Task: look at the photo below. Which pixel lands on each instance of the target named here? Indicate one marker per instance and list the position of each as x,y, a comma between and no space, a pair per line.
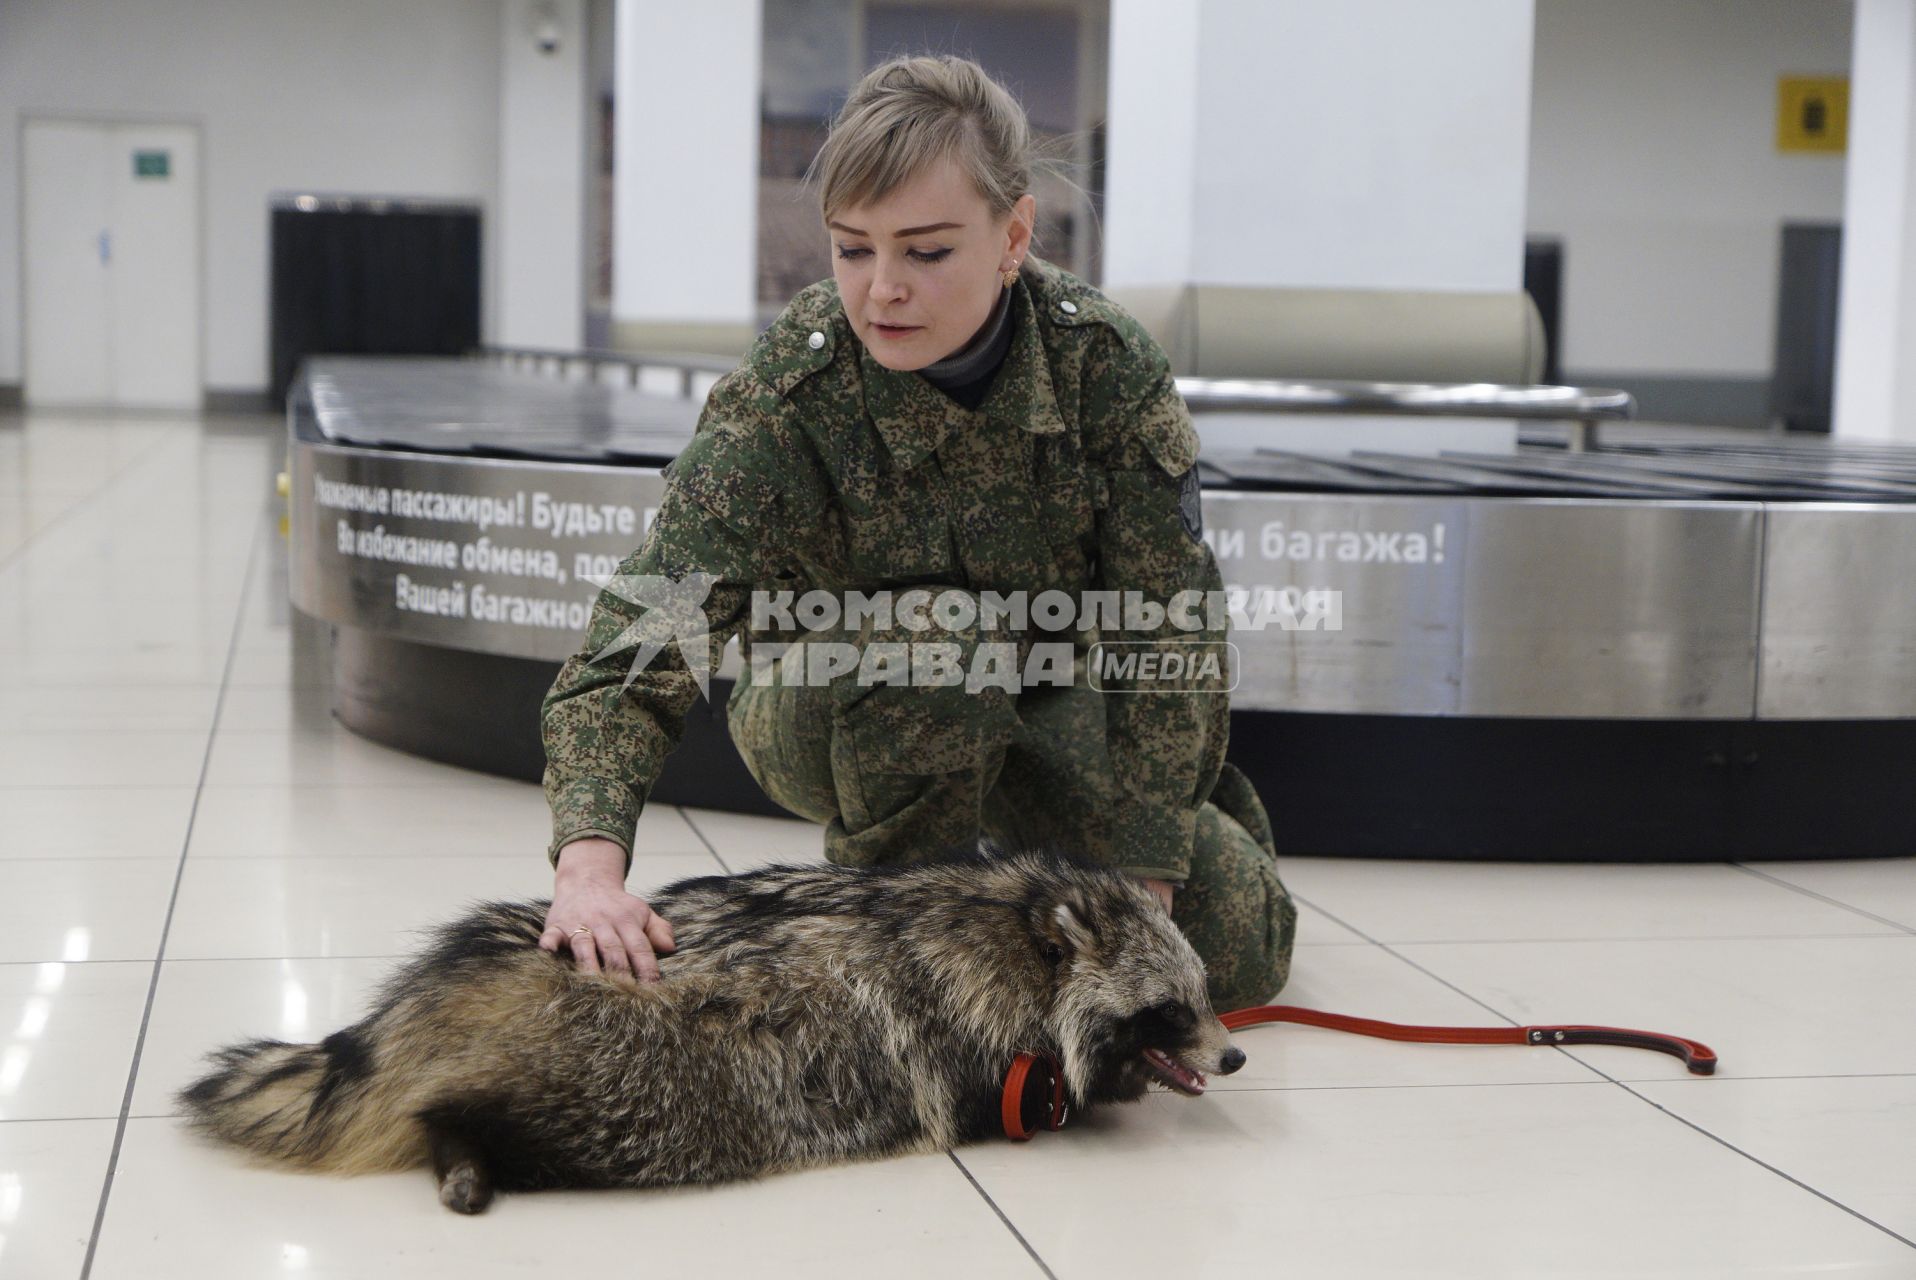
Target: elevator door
112,315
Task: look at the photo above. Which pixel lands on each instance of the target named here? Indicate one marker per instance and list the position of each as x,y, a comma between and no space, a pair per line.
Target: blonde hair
909,113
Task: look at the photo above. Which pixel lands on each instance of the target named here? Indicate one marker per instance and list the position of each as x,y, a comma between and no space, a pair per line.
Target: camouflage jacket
815,466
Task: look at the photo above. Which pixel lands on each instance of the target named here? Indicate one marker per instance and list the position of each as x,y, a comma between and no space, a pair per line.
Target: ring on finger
581,929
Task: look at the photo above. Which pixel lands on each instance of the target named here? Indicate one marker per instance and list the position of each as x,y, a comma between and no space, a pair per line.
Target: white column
1876,327
1371,144
542,158
1150,170
685,185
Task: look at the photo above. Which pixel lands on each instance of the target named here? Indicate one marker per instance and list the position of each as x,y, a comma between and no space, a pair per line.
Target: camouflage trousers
897,772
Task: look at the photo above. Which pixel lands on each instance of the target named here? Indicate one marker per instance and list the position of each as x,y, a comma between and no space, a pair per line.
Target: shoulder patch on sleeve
1191,505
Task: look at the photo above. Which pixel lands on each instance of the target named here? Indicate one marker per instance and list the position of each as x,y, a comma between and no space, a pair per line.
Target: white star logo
674,611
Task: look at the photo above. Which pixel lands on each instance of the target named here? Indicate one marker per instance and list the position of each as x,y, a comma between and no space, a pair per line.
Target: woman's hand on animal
626,936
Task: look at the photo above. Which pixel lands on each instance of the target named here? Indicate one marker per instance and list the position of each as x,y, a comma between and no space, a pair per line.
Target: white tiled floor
192,851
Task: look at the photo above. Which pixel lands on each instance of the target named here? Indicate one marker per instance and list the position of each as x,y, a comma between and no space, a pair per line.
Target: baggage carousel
1552,634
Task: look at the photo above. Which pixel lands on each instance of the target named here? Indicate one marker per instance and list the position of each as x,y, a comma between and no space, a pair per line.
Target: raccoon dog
811,1014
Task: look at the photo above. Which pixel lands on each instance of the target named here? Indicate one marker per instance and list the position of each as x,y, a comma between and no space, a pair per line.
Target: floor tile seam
159,637
149,681
146,960
710,848
1894,931
1824,1196
131,1116
1698,937
322,857
1003,1217
97,786
1683,1079
132,731
291,687
21,964
224,786
1225,1091
7,1120
26,544
1699,1081
67,686
1821,897
476,783
8,858
637,862
186,843
1650,1101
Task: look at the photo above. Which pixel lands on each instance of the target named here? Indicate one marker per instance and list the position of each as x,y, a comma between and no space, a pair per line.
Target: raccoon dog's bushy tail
303,1103
357,1101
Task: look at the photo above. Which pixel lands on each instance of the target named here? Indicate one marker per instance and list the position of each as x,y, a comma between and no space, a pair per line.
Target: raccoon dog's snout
1173,1070
1180,1041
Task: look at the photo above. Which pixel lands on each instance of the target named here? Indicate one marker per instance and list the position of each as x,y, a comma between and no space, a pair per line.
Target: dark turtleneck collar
966,375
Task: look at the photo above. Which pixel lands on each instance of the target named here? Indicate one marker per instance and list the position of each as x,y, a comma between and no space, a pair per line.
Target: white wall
1151,181
1653,156
1375,144
351,96
542,177
1876,332
685,175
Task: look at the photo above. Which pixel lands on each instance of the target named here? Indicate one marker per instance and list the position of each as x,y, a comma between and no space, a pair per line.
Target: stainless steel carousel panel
1839,613
1642,609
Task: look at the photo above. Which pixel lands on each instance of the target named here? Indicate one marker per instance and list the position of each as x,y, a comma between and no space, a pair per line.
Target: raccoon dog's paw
465,1183
465,1188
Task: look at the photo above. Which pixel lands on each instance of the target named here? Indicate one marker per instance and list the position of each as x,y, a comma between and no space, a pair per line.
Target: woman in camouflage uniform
952,414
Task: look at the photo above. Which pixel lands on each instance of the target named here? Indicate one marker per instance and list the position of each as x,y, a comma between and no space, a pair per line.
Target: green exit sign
152,164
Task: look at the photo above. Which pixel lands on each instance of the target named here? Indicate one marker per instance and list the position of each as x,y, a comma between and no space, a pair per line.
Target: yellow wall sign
1812,113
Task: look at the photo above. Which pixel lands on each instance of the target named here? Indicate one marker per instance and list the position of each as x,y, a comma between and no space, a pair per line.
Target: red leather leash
1697,1056
1034,1098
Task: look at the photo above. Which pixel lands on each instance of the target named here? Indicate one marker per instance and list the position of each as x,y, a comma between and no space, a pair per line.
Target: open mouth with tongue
1174,1073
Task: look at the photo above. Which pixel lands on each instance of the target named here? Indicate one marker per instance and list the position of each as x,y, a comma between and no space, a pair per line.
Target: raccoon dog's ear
1063,928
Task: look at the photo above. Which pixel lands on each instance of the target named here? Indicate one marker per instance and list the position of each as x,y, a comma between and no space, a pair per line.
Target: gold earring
1010,277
